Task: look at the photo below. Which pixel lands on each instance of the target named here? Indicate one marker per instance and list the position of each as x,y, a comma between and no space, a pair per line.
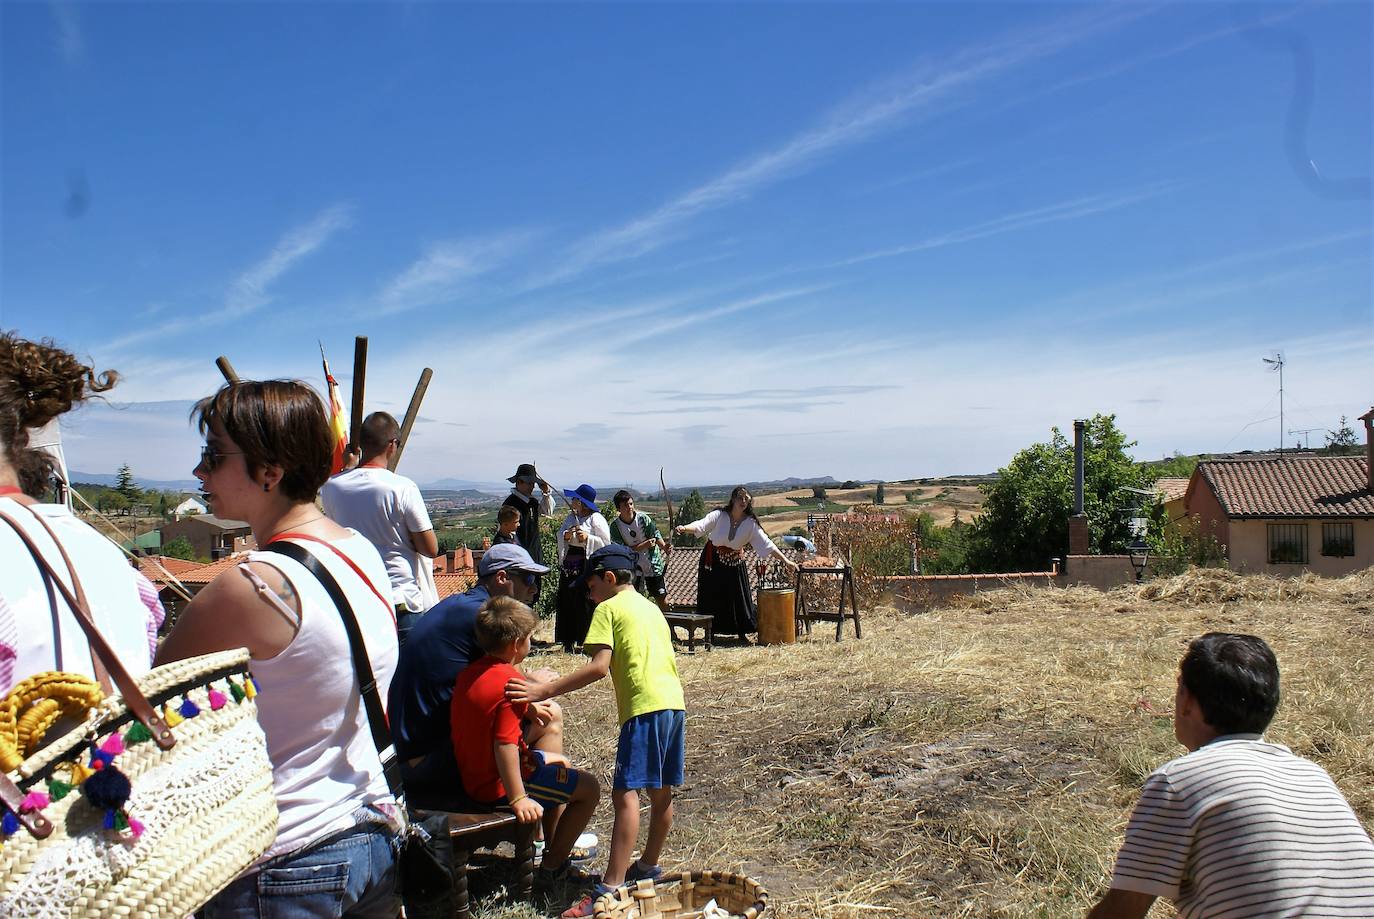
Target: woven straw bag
684,896
157,799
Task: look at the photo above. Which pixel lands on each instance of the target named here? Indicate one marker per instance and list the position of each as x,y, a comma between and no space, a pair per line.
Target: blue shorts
550,783
652,750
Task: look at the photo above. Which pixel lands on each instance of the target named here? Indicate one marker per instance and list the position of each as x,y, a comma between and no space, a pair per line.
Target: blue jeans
353,876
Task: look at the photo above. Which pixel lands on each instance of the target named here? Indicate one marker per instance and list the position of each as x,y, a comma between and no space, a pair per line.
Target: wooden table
690,621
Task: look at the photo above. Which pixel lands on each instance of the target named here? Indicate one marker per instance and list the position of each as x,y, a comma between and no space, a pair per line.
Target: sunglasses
210,457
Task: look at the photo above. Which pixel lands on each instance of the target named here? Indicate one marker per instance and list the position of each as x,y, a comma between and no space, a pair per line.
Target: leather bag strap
133,697
102,675
362,666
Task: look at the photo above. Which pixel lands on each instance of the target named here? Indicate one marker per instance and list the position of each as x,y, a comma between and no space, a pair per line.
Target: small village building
1284,515
210,536
188,507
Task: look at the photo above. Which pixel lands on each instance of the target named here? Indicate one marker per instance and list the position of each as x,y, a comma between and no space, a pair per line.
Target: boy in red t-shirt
496,765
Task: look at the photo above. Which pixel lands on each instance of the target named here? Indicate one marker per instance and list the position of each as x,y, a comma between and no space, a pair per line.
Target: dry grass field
941,501
978,760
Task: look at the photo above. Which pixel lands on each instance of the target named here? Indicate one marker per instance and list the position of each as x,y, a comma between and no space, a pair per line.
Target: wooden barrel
777,617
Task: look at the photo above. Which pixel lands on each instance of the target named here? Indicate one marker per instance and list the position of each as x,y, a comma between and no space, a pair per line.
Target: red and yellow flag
337,421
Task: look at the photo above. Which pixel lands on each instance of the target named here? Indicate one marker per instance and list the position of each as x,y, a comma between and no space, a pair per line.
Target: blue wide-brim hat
584,493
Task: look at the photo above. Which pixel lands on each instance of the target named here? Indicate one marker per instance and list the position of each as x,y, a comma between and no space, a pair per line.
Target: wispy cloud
788,394
1074,209
249,291
929,86
71,40
445,266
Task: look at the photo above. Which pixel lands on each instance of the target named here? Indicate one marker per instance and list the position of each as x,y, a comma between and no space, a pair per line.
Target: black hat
524,473
614,557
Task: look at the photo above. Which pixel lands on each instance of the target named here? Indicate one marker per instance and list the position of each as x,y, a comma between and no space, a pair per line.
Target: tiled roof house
1288,514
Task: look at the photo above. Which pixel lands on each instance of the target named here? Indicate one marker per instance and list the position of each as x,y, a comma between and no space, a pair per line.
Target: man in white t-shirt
1237,826
388,510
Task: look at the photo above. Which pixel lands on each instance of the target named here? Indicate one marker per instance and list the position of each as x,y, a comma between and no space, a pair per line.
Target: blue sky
739,241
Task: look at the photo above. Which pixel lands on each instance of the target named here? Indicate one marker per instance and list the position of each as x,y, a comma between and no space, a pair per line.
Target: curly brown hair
38,382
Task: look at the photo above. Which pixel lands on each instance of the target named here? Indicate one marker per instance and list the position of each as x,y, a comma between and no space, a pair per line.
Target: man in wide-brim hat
522,498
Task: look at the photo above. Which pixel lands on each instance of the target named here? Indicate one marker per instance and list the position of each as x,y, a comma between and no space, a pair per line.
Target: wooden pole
355,408
226,368
412,412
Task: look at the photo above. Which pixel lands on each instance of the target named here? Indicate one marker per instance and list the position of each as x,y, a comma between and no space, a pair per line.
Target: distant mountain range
102,478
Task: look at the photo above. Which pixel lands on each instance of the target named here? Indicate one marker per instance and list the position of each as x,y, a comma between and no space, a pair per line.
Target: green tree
1025,520
180,548
818,493
880,494
1175,467
693,508
125,484
115,502
1342,440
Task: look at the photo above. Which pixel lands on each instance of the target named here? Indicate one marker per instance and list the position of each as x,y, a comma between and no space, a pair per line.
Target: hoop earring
266,486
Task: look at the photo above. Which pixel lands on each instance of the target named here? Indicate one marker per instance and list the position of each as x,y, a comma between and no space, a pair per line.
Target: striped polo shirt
1243,828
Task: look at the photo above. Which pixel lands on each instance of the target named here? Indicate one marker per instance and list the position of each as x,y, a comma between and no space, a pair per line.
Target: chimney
448,561
1368,419
1078,524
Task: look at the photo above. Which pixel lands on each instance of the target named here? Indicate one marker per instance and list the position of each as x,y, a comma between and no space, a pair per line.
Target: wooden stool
470,831
690,622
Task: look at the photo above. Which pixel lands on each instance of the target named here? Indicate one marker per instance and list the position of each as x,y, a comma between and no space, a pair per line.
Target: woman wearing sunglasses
267,452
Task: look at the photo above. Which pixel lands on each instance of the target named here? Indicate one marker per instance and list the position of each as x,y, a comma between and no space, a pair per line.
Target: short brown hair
502,621
507,512
38,382
277,423
379,429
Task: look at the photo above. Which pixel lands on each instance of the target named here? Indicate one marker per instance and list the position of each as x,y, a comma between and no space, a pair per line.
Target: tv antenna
1304,434
1276,363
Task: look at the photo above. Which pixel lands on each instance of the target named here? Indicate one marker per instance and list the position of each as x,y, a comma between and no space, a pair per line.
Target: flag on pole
337,423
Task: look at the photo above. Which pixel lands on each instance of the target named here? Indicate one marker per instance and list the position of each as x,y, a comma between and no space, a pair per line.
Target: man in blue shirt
441,644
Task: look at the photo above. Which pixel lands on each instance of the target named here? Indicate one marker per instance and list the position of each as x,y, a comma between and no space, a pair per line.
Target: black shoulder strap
362,667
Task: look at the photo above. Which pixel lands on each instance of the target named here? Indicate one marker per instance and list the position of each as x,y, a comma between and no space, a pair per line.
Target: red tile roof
204,574
1171,489
448,584
148,566
1290,486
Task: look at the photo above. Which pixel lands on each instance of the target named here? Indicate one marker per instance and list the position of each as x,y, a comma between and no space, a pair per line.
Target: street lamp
1139,552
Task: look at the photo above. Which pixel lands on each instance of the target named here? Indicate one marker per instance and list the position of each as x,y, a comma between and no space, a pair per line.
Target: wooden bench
470,831
689,621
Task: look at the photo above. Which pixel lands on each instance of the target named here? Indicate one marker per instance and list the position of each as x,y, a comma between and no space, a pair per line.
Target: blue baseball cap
508,555
614,557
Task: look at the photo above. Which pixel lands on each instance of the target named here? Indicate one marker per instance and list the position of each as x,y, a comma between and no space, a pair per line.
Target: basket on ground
684,896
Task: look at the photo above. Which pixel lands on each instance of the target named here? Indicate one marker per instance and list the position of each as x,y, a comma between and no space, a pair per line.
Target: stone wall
917,593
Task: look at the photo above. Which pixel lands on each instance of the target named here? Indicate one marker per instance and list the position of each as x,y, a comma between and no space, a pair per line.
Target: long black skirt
723,592
572,607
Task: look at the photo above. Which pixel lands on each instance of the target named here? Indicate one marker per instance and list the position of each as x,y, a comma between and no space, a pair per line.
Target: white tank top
325,766
47,642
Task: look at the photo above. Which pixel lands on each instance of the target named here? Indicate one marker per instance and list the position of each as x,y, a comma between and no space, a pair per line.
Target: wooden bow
666,500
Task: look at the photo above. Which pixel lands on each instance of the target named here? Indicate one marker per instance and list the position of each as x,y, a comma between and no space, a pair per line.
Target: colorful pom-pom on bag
158,797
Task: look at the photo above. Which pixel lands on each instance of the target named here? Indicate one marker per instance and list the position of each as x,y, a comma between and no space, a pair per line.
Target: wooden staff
355,408
412,412
226,368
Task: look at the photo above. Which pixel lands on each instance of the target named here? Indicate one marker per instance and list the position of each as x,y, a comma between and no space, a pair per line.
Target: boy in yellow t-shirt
630,640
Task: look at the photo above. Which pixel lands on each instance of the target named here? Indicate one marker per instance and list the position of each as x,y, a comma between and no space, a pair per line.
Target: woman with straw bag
39,382
267,452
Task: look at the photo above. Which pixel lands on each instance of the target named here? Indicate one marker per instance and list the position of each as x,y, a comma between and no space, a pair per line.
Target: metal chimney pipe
1078,468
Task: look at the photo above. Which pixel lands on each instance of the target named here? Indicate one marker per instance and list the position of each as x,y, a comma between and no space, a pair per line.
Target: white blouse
715,526
598,533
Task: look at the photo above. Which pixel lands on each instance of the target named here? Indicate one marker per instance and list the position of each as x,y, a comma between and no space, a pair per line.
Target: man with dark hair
638,531
522,498
1238,826
418,706
386,508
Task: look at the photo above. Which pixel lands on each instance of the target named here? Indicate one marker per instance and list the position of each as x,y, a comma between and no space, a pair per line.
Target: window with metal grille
1338,539
1288,544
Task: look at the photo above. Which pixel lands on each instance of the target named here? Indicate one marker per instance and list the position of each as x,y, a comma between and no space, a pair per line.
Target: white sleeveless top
325,766
46,642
